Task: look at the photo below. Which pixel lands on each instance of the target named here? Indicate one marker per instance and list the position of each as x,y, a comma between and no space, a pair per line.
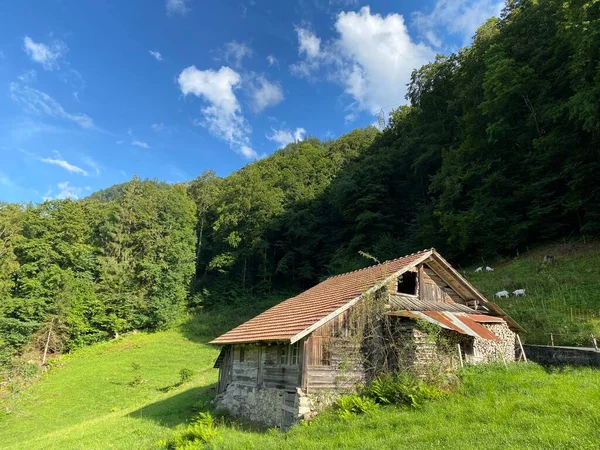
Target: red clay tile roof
293,316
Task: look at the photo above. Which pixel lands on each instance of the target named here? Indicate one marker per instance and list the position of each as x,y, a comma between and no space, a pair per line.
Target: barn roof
296,317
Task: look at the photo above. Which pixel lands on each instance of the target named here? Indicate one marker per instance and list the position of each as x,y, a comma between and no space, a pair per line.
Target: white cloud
247,152
38,102
65,165
309,48
309,43
177,7
234,53
141,144
156,55
158,126
283,137
264,94
223,114
28,76
272,60
372,58
458,17
48,55
65,190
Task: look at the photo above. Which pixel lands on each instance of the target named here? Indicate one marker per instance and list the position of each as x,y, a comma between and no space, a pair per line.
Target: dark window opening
468,348
325,354
242,354
407,283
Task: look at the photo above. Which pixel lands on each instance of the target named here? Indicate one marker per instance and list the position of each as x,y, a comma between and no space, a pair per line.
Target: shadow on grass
178,408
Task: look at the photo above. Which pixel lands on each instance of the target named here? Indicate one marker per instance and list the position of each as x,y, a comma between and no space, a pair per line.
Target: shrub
355,404
402,389
200,431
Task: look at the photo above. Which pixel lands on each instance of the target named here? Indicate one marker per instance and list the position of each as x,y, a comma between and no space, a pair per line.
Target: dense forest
498,148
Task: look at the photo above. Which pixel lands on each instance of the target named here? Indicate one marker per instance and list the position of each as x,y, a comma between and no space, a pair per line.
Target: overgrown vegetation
200,432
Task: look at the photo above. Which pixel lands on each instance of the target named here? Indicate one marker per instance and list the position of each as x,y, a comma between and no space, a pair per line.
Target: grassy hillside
126,394
563,299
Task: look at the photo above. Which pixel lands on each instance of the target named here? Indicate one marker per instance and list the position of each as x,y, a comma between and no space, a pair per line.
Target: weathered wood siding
261,366
226,365
433,288
333,358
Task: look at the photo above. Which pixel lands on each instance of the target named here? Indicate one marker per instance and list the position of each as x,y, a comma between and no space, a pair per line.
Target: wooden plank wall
262,367
433,288
225,369
330,343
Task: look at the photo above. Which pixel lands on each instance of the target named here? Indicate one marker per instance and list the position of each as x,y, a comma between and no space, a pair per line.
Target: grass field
125,394
562,299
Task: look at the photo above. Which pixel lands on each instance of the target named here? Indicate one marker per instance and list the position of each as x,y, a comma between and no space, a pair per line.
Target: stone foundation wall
255,404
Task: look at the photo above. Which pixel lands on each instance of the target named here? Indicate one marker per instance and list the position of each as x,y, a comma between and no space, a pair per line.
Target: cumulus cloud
234,53
65,191
177,7
48,55
222,115
458,17
40,103
264,94
141,144
65,165
283,137
372,58
156,55
309,43
158,126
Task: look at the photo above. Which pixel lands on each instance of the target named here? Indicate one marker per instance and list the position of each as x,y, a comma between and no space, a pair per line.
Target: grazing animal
501,294
519,292
488,269
479,269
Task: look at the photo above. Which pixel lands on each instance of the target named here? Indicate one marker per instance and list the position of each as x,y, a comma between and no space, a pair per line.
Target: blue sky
94,92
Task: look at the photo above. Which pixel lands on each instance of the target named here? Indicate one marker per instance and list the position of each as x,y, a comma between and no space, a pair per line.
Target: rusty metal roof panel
459,322
293,316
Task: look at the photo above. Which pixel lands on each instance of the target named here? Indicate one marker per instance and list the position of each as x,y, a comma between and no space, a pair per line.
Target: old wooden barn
412,313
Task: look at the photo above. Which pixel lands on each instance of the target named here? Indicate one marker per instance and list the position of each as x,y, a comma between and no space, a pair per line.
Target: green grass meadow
562,299
127,394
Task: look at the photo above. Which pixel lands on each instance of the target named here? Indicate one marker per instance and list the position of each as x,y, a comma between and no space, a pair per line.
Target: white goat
488,269
501,294
479,269
519,292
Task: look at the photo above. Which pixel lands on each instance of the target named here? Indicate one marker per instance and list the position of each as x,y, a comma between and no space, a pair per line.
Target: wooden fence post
522,349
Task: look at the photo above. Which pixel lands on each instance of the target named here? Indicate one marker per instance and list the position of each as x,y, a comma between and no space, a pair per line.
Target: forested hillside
499,149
